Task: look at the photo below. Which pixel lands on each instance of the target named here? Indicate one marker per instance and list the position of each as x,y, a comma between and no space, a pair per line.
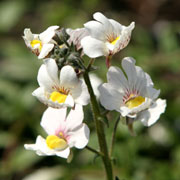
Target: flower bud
62,35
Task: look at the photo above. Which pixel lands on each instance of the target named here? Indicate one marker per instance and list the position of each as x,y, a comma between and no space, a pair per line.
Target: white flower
106,38
76,35
63,132
40,44
132,96
62,89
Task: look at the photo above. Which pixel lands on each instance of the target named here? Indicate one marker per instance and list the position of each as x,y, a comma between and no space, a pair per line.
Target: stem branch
94,151
113,136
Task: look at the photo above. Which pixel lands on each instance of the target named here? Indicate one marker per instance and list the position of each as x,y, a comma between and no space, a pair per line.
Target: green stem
113,136
90,64
93,150
99,129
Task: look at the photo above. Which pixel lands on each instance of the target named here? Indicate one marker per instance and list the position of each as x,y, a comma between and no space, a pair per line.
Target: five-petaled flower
62,89
40,44
133,96
63,132
106,36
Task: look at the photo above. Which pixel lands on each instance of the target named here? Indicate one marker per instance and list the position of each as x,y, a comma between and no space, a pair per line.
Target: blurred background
154,154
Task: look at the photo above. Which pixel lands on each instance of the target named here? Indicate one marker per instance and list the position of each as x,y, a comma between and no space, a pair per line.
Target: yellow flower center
61,46
36,42
55,142
115,40
134,101
57,96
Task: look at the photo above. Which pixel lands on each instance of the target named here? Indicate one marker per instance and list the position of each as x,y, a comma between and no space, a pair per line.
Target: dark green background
154,154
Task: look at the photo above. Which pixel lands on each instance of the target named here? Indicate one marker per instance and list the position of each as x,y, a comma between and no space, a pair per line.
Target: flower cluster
129,91
59,88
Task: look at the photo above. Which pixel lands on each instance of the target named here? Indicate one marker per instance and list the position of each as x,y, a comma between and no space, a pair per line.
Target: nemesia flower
63,132
106,38
40,44
133,96
60,89
76,35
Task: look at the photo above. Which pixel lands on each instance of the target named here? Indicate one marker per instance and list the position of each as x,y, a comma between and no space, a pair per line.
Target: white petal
53,119
40,147
125,111
117,27
105,21
45,50
152,92
80,137
80,93
28,37
124,38
117,79
64,153
96,30
68,77
28,34
128,65
48,34
95,82
101,18
44,79
30,147
151,115
126,33
149,80
144,84
39,92
74,118
52,69
141,82
109,97
129,28
69,101
93,47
